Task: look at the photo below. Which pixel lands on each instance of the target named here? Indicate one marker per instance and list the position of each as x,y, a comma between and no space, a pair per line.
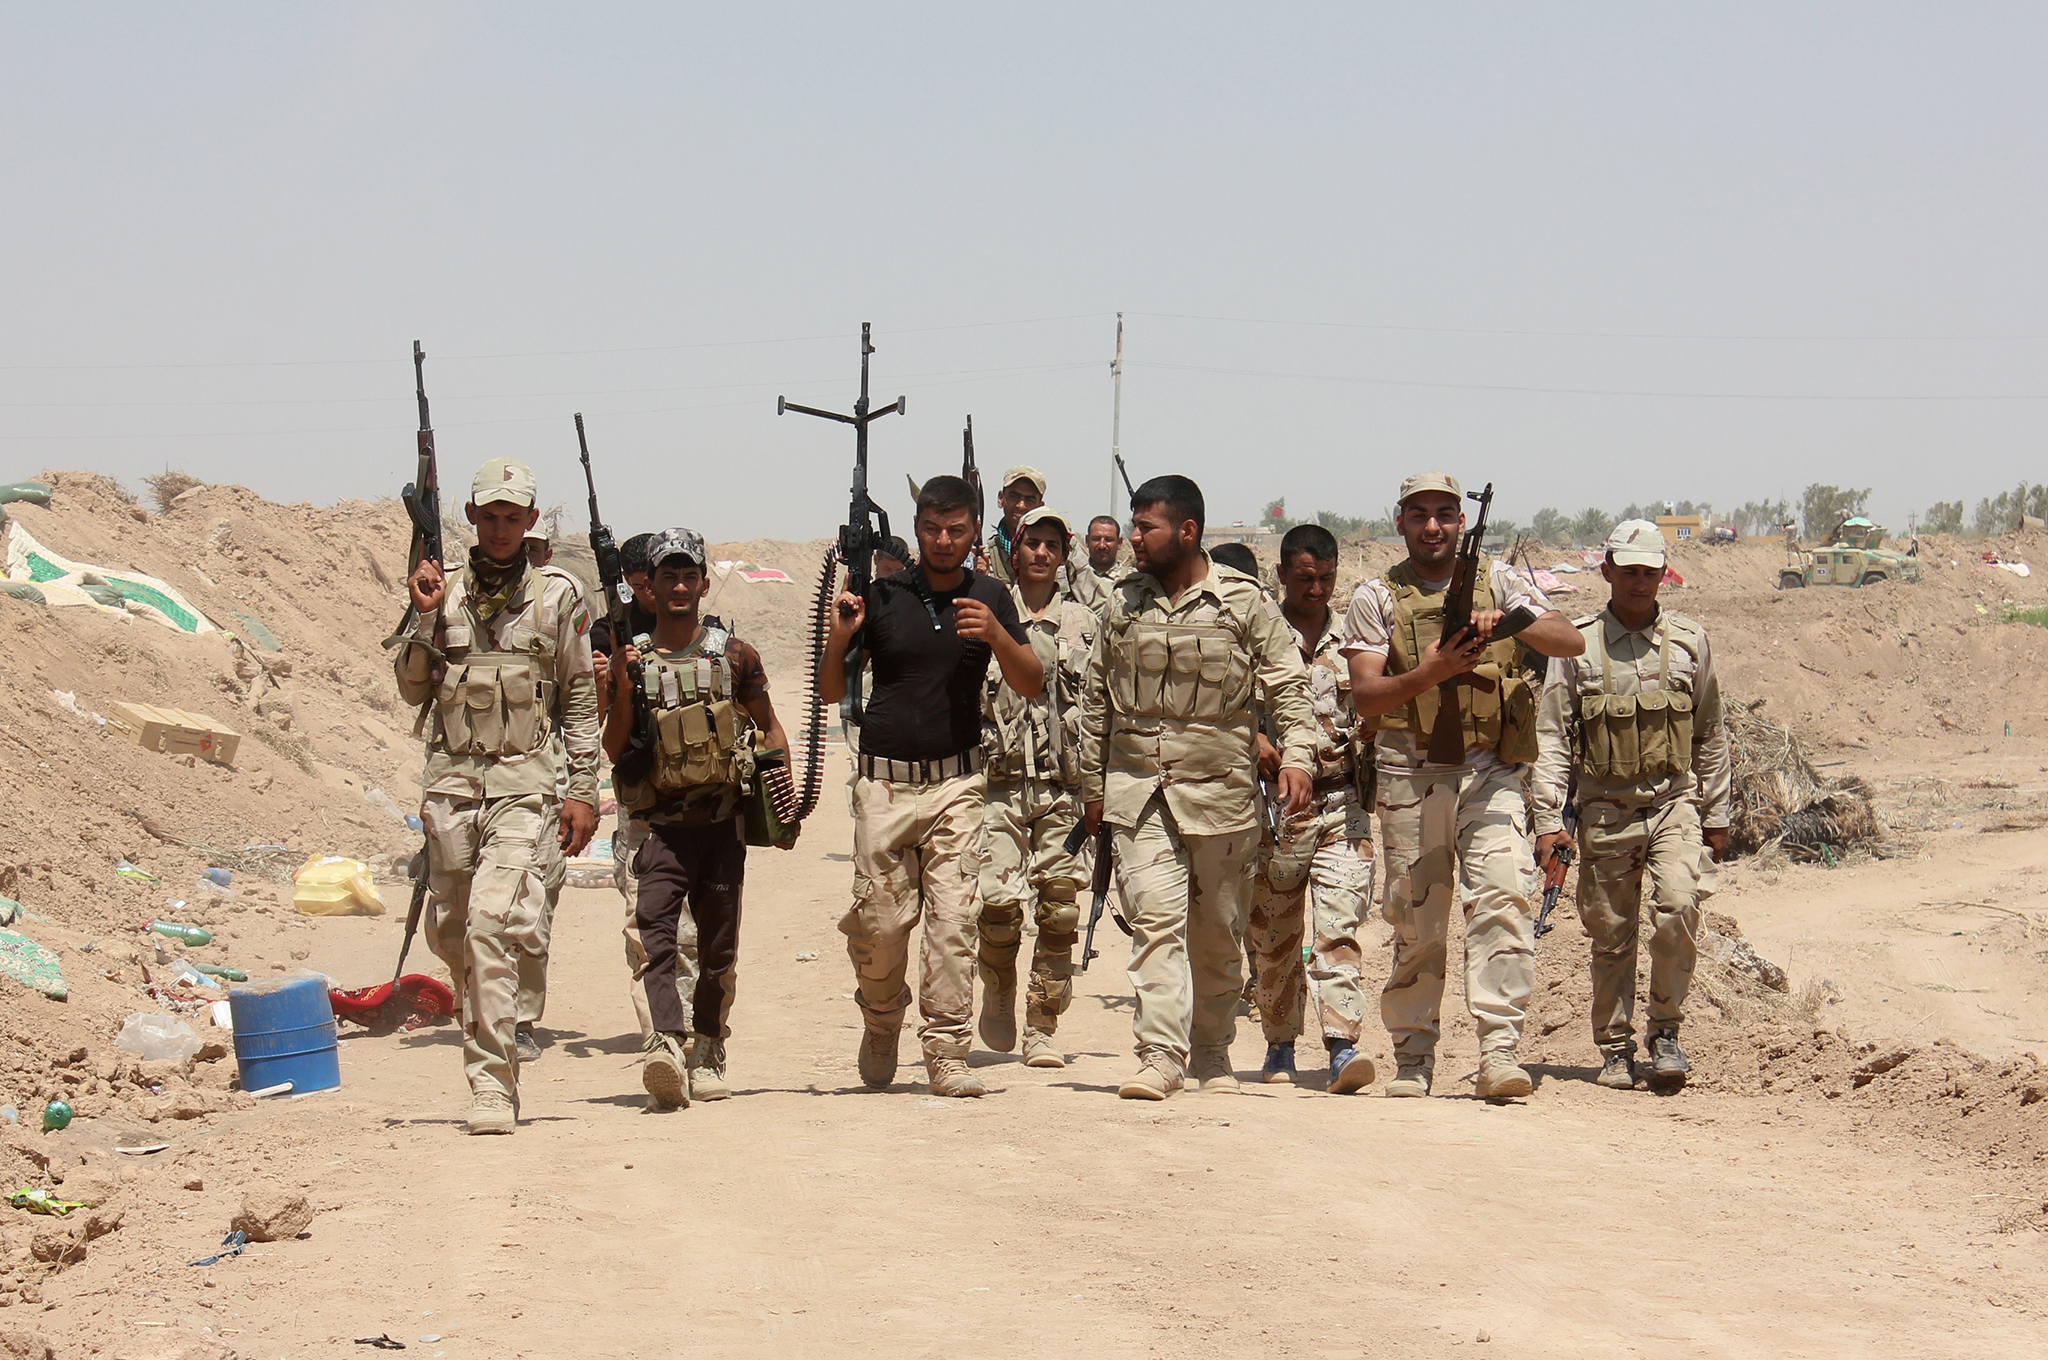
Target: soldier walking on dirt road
1452,829
1168,760
1034,779
1638,716
1324,858
703,694
498,661
929,631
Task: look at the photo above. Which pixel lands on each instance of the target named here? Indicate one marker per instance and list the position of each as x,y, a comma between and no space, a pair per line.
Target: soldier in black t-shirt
929,631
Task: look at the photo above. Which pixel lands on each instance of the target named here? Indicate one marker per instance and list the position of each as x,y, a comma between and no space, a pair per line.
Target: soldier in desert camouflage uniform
1323,857
498,661
1033,802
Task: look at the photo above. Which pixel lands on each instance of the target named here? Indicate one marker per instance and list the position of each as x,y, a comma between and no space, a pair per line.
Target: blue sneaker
1279,1068
1350,1070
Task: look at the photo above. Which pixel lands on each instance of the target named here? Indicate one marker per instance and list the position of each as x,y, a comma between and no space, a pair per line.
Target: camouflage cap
1430,481
502,479
686,543
1635,543
1024,472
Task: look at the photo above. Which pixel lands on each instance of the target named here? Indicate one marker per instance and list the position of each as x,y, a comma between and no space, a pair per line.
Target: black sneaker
527,1046
1617,1070
1668,1066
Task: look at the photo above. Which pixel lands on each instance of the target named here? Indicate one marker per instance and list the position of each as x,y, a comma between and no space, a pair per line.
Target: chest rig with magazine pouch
1498,713
496,703
1646,734
1186,672
698,729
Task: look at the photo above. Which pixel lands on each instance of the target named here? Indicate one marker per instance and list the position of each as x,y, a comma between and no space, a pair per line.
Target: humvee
1853,558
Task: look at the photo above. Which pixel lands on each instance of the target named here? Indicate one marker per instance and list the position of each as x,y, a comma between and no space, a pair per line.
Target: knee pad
1058,912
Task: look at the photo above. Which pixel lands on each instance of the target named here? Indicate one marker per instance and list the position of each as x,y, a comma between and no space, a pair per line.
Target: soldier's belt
921,771
1331,783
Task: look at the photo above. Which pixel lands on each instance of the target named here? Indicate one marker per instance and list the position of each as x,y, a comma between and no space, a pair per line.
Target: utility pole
1116,416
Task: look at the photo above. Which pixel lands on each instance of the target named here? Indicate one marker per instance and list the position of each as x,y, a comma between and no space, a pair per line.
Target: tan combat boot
950,1077
1159,1078
878,1058
1211,1070
707,1068
662,1072
1039,1050
1501,1078
999,1003
492,1112
1411,1078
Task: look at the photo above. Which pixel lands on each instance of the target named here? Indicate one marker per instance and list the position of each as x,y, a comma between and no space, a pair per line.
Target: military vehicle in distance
1854,557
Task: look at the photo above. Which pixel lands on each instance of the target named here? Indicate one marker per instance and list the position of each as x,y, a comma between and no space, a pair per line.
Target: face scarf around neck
493,584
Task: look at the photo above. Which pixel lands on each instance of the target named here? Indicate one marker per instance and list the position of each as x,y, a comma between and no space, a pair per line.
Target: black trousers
688,916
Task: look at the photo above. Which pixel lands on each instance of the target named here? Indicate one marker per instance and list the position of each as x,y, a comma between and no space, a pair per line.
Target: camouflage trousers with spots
1462,833
486,897
1026,866
533,968
1321,872
1617,848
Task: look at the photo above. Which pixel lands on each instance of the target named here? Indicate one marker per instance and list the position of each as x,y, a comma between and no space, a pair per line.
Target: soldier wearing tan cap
1023,491
497,664
1638,716
1459,829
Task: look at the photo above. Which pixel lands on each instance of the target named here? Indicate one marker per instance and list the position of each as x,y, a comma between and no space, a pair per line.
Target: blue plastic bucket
284,1031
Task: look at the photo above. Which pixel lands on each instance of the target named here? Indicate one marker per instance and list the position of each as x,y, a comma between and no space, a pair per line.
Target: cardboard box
176,732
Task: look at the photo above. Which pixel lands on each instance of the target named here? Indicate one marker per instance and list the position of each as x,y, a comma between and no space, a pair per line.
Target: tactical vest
1503,718
698,729
497,703
1040,738
1182,671
1628,738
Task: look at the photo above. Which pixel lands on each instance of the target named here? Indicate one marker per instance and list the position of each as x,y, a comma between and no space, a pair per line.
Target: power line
1572,335
1601,391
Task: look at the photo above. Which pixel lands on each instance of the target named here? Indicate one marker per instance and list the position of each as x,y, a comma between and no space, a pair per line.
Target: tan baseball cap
1042,515
1430,481
1024,472
1636,543
502,479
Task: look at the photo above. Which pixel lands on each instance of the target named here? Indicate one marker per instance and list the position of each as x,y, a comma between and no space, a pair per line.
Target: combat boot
1668,1065
662,1072
999,1004
1411,1078
1501,1077
1212,1072
950,1077
707,1068
1039,1051
1617,1069
878,1057
1279,1066
1159,1078
492,1112
1350,1070
527,1046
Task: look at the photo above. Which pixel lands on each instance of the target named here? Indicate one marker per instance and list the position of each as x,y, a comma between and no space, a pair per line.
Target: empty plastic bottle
183,934
220,876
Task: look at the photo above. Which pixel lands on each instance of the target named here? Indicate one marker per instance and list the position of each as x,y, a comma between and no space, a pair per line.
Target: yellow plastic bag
334,885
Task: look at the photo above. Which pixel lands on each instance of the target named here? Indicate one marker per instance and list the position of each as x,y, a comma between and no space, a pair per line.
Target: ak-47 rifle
633,762
971,474
422,500
1124,473
1447,738
1560,860
858,539
1105,851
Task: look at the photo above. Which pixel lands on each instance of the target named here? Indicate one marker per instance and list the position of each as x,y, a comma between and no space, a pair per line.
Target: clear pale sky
226,225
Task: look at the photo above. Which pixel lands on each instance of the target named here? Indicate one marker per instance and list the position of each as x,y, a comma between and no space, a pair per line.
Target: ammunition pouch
1629,738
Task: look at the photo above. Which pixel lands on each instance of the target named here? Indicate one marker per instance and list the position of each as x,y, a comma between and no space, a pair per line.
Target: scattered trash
155,1037
223,1016
209,888
145,1150
283,1088
416,1000
258,634
284,1031
129,871
175,732
413,823
8,1113
223,972
335,885
56,1116
234,1242
222,877
430,1340
31,965
384,803
382,1343
807,956
183,934
68,701
38,1201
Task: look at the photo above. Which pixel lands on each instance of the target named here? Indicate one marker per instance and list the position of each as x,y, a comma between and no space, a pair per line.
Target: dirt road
809,1217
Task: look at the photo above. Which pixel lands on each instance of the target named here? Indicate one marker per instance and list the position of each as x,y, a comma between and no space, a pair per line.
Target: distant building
1678,528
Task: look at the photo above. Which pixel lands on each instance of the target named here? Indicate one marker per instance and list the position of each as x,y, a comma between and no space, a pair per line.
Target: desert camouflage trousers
1025,865
1188,897
1617,847
533,968
1321,872
916,856
486,896
1464,833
